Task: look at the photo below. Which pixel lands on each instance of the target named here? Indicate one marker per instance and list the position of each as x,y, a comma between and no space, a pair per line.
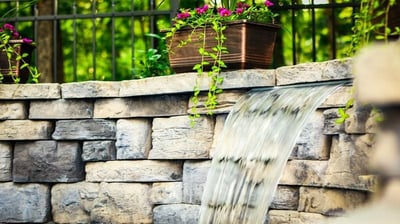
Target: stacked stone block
125,152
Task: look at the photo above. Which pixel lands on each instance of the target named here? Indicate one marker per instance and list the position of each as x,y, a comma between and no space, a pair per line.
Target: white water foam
258,137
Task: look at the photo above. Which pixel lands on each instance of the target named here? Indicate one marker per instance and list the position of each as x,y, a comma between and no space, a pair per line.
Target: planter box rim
20,41
239,21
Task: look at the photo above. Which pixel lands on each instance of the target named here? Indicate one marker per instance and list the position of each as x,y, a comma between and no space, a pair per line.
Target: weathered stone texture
339,98
73,203
85,130
248,78
176,213
134,171
24,203
356,123
331,127
122,203
157,85
372,125
13,110
226,100
294,217
90,89
350,155
47,161
30,91
98,150
304,172
194,179
101,203
166,193
174,138
25,130
312,144
181,83
332,202
286,197
314,72
5,161
147,106
133,138
61,109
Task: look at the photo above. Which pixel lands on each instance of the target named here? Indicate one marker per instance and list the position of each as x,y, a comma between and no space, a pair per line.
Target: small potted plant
226,34
15,57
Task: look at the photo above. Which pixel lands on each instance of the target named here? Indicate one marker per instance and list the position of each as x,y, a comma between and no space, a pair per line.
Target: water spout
258,137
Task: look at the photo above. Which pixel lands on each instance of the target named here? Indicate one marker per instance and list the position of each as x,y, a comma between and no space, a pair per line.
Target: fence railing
104,40
329,20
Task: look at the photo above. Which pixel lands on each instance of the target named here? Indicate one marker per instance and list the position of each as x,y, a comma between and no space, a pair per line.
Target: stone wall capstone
124,152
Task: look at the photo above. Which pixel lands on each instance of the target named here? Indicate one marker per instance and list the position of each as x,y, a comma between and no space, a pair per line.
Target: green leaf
197,66
205,63
342,112
213,56
350,103
25,65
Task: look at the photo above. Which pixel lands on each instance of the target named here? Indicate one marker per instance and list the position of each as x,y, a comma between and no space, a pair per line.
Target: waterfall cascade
258,137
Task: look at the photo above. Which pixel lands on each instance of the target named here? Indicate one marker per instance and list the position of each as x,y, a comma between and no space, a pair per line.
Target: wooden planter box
23,74
250,45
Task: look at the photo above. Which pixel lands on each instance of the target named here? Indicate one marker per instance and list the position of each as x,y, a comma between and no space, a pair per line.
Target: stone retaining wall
124,152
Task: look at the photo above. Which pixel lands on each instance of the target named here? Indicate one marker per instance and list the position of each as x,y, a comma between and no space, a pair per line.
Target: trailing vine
10,46
211,67
201,21
215,80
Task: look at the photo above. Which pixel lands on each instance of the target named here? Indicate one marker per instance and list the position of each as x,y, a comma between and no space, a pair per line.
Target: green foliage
213,74
372,24
343,115
10,43
300,39
155,62
124,50
205,18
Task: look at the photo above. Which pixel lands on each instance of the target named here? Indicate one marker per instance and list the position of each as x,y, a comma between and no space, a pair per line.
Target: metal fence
338,19
100,40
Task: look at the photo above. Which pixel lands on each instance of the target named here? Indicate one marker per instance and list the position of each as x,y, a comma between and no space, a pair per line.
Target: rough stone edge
183,83
324,67
90,89
30,91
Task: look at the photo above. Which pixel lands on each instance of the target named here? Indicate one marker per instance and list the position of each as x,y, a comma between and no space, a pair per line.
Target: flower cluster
8,32
14,59
242,10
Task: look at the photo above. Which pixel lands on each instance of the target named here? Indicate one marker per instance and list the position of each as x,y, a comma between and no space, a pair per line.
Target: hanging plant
15,55
214,17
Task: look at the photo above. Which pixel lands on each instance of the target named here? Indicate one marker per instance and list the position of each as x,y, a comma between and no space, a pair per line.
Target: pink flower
224,12
239,10
27,40
268,3
243,5
9,27
183,15
202,10
15,34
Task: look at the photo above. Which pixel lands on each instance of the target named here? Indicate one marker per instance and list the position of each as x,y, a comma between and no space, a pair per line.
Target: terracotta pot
23,74
250,45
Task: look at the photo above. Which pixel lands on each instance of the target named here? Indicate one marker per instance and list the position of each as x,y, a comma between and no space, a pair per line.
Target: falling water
258,137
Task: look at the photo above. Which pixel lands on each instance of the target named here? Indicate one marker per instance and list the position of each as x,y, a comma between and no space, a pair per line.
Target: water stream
256,142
